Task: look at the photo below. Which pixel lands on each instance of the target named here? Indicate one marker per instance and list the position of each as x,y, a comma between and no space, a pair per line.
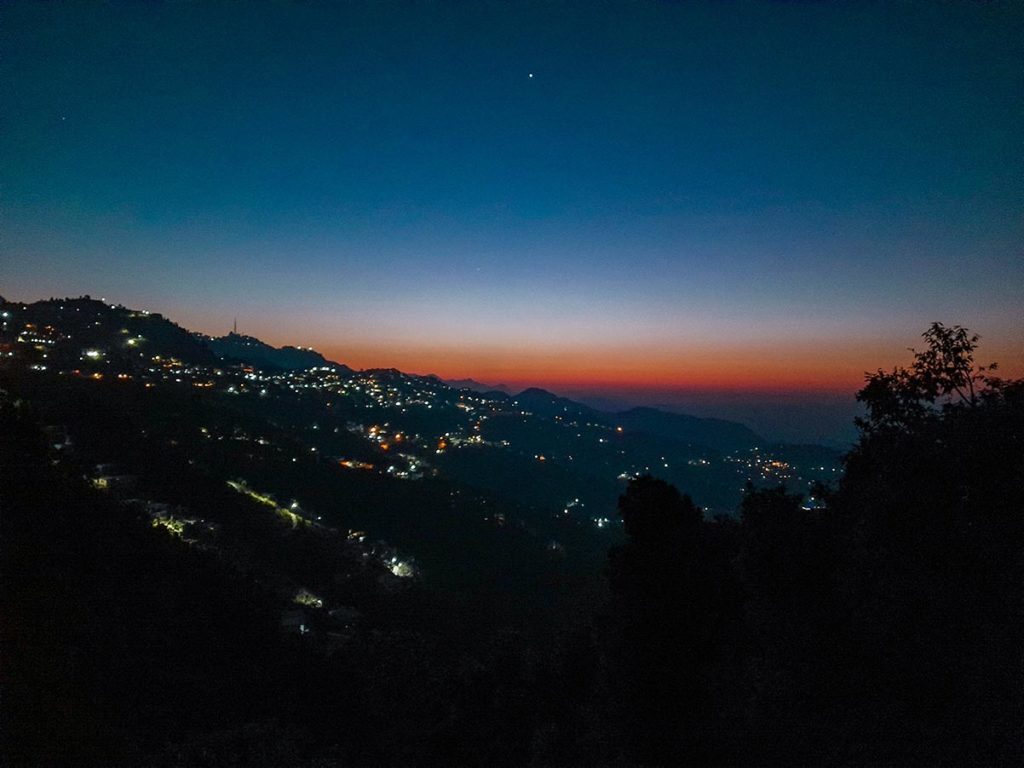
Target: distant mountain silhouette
544,403
719,434
473,384
496,394
248,349
110,328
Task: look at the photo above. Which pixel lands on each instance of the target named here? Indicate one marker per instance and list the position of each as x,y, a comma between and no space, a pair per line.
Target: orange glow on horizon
763,362
773,358
830,368
826,366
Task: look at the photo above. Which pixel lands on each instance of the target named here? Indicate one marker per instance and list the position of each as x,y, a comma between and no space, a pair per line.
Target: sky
679,203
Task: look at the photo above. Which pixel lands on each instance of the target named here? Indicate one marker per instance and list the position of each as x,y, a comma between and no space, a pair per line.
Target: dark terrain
216,552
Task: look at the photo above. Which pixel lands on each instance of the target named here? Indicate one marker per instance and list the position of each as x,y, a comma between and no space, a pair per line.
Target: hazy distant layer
795,417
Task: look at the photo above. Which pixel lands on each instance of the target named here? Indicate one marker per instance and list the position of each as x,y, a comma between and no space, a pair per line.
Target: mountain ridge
155,333
470,383
254,351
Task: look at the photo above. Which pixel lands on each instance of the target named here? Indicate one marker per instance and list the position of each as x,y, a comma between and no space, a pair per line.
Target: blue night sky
682,198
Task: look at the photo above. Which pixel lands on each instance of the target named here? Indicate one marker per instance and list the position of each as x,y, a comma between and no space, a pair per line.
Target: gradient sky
684,197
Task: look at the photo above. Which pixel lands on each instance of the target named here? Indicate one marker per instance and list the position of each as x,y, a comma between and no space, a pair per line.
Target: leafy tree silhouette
666,624
929,510
653,511
884,628
942,376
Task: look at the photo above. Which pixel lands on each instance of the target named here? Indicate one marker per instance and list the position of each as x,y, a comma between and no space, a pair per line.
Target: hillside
536,448
252,351
318,545
721,435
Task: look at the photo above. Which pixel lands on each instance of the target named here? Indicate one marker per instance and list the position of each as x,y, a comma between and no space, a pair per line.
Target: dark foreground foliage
884,627
879,623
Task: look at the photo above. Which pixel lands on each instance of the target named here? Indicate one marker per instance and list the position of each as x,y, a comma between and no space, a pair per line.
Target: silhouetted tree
653,511
931,569
943,375
667,622
883,628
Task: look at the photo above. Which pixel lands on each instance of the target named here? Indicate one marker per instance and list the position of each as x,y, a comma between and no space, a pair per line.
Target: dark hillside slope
98,335
116,636
250,350
718,434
